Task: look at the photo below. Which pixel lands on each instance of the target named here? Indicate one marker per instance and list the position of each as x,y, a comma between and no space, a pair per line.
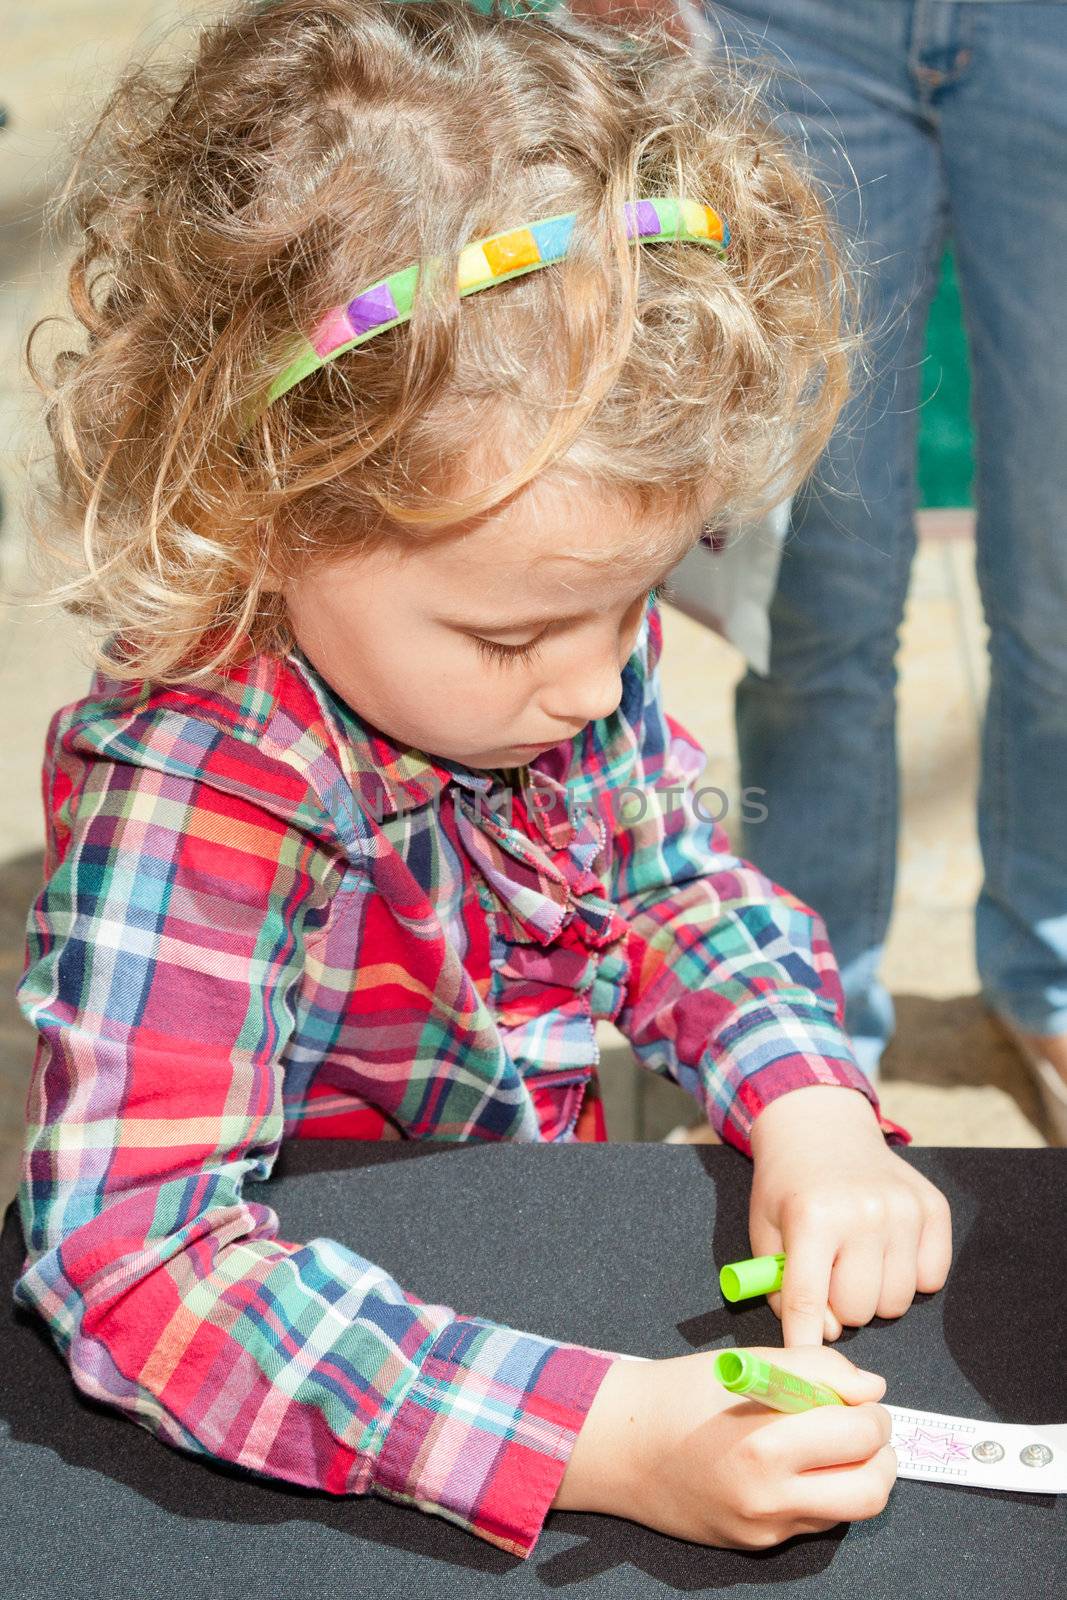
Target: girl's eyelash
492,650
514,653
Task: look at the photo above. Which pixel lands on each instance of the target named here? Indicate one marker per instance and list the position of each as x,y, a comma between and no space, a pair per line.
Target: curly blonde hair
312,148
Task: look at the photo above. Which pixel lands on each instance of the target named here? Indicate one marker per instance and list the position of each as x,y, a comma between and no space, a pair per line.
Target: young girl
420,346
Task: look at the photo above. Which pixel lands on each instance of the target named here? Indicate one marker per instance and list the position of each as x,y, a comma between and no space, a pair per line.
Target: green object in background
946,446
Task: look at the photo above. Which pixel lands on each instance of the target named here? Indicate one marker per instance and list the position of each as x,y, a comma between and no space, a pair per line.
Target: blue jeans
954,120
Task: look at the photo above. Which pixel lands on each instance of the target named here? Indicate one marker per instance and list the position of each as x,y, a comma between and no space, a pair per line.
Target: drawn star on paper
925,1444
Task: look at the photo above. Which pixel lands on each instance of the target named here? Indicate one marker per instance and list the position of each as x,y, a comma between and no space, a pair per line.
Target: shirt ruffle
559,961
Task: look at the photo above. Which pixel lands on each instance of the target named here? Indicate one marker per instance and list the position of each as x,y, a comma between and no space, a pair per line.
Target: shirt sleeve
164,958
733,990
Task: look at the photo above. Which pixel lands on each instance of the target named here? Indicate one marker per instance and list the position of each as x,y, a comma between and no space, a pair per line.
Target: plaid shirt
262,920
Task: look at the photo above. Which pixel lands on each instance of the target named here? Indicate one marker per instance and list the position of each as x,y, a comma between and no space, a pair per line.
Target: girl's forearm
604,1470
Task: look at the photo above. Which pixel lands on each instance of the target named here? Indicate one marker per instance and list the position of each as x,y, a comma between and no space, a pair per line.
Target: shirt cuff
773,1048
485,1431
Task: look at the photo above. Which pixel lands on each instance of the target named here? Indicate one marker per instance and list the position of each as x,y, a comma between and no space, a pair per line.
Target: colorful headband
505,255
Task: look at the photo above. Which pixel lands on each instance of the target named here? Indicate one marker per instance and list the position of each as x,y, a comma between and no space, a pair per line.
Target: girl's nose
593,691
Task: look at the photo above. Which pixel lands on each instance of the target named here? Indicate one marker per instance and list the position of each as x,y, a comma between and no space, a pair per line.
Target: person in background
932,122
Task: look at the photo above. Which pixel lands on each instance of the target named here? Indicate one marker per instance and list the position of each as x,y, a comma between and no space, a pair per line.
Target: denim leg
818,732
1004,134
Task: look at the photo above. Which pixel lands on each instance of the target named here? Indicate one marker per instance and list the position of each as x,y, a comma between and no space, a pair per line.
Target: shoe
1050,1085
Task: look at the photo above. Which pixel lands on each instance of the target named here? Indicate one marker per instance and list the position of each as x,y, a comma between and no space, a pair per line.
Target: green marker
741,1280
745,1374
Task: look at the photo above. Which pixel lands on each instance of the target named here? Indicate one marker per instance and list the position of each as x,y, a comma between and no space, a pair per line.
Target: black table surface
615,1246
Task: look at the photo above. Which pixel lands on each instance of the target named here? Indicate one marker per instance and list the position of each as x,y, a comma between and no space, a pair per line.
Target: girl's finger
934,1256
809,1262
766,1240
831,1328
816,1362
899,1268
856,1282
829,1436
847,1494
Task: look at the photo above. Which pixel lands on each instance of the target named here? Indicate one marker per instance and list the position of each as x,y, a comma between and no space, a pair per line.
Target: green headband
505,255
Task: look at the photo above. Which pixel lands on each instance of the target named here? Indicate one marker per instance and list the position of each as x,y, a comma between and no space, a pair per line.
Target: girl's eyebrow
511,625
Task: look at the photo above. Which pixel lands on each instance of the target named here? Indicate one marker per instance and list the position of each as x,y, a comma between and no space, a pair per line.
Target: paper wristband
1021,1457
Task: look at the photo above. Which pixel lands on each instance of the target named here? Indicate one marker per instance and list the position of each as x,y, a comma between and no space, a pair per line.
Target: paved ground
950,1076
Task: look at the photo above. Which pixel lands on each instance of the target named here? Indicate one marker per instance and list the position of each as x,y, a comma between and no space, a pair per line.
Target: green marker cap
742,1280
741,1372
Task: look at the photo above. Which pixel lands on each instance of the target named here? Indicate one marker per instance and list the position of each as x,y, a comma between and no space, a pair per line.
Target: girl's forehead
568,532
520,562
538,574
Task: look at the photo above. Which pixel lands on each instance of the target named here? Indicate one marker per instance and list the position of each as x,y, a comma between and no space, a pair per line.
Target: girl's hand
861,1231
664,1444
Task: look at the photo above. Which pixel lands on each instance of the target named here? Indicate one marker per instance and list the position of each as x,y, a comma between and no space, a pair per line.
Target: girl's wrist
812,1114
605,1469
